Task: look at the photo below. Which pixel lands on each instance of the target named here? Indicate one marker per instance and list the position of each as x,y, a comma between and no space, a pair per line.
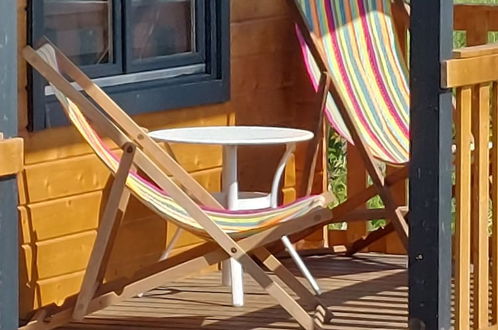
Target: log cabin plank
58,256
77,175
260,72
68,253
242,10
262,37
60,217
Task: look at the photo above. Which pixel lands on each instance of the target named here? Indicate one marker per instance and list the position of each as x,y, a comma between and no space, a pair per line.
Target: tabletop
233,135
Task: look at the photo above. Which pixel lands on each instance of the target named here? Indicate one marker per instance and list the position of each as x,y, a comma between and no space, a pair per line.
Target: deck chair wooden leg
101,249
123,204
312,152
274,265
394,214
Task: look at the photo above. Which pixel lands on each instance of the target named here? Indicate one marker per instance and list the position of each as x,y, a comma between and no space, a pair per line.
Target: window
149,55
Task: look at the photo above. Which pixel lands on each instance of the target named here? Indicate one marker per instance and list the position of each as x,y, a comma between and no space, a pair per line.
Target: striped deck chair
235,234
350,48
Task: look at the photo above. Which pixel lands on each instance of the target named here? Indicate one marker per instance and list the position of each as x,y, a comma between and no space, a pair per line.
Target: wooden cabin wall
63,184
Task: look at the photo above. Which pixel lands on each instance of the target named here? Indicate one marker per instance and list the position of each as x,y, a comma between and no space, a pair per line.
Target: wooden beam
467,14
474,51
463,72
11,154
430,166
9,278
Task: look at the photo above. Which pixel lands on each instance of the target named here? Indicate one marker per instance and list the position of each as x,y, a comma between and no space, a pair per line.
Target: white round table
230,137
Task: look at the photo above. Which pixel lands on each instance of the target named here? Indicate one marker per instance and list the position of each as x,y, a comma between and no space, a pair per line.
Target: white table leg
230,184
290,148
231,269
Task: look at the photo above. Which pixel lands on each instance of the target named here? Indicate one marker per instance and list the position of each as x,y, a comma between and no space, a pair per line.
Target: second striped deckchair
234,234
351,46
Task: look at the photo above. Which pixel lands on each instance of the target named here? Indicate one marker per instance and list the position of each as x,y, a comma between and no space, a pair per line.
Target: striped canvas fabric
237,224
366,65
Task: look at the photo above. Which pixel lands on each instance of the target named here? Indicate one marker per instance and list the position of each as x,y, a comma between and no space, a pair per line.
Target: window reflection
81,28
162,27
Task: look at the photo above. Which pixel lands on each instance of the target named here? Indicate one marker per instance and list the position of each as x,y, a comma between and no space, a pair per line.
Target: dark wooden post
430,166
9,316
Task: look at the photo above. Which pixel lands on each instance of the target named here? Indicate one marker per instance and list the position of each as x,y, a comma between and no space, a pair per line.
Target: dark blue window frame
212,85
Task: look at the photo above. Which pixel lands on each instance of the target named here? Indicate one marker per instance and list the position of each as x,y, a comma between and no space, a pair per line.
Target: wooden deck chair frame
380,185
146,155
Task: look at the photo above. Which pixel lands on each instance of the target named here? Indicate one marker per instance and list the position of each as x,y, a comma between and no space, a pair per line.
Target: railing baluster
480,205
463,197
494,198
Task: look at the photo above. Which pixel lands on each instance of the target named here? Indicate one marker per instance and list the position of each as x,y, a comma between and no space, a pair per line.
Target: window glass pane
162,27
81,28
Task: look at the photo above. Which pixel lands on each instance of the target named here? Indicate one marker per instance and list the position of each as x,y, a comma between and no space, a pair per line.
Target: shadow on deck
365,292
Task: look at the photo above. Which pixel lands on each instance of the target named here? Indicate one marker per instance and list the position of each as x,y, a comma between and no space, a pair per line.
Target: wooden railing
474,76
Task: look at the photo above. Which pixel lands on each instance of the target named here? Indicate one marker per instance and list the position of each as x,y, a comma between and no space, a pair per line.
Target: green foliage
337,166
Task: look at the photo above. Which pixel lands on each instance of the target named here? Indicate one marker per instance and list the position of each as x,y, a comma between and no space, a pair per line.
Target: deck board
365,292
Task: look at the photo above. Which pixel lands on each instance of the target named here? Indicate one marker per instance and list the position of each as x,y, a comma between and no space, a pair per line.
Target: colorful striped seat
366,65
237,224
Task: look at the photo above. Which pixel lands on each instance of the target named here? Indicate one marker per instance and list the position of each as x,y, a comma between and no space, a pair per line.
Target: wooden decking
365,292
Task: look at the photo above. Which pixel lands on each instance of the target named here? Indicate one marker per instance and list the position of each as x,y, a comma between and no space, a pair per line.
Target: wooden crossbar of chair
379,184
139,152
